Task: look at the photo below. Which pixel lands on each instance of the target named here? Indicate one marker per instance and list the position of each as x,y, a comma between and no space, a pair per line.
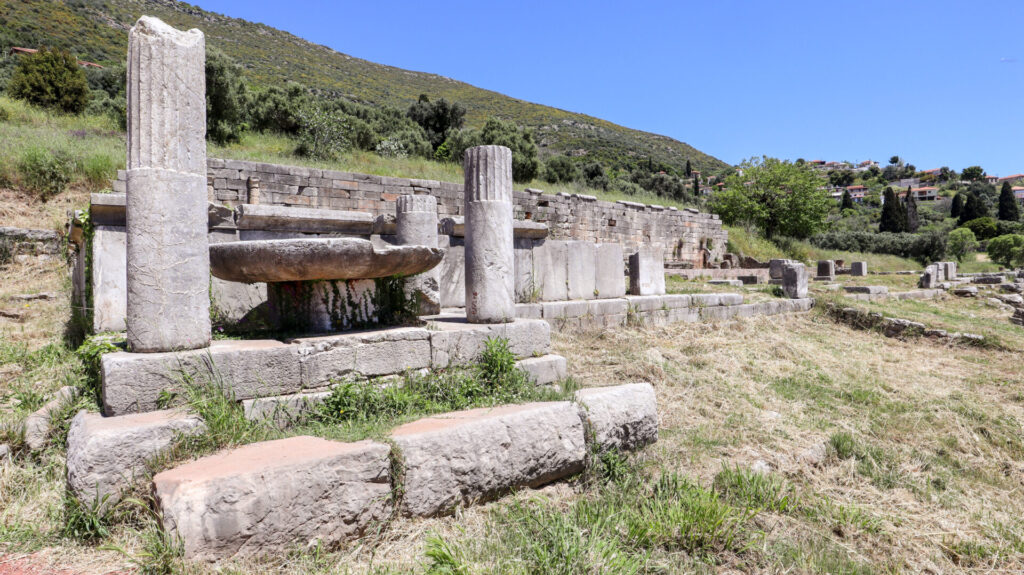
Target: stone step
620,417
275,496
468,456
106,454
545,369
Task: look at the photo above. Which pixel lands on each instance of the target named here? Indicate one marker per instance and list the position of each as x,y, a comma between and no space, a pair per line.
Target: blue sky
938,83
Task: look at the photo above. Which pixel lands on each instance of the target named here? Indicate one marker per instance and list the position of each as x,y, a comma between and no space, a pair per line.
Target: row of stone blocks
275,496
654,310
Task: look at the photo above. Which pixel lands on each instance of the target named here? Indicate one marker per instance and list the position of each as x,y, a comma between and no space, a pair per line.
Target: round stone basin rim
308,259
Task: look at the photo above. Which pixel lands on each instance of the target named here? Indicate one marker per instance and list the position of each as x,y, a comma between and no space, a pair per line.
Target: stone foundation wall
683,234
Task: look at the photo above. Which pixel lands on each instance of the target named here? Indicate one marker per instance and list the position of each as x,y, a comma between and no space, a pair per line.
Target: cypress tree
958,205
893,218
974,208
911,206
1008,209
689,170
847,203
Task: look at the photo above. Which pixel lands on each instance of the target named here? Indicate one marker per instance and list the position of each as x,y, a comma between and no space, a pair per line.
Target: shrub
961,242
226,98
560,169
924,248
99,169
51,78
437,119
498,132
278,109
1007,250
983,228
321,134
5,116
44,172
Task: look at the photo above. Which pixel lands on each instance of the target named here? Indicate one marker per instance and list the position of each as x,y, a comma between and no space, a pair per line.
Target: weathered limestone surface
453,272
647,271
321,306
305,259
775,268
858,269
545,369
620,417
794,280
368,354
275,496
308,220
550,270
524,283
462,457
417,226
581,266
37,425
454,341
109,278
106,454
490,258
283,410
873,290
826,269
609,279
733,283
168,269
930,278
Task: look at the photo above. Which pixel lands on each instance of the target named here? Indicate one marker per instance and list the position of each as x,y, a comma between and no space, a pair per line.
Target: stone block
647,271
283,410
529,310
610,281
730,282
859,269
524,270
826,268
453,273
109,278
581,264
272,497
620,417
873,290
106,455
544,369
550,269
794,280
362,354
775,268
453,341
468,456
307,220
37,424
133,382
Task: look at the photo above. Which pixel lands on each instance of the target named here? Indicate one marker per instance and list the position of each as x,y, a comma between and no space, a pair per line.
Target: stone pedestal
417,225
490,254
168,262
794,280
321,306
775,268
647,271
826,270
859,269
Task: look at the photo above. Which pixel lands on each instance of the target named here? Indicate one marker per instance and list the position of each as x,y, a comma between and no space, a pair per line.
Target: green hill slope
96,30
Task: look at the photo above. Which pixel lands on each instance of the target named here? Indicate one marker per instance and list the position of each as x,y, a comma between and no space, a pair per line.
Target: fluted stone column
490,255
417,226
167,253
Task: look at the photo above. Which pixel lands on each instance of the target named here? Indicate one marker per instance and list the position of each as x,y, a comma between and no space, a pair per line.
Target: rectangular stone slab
467,456
620,417
545,369
610,279
581,270
272,497
550,269
309,220
454,341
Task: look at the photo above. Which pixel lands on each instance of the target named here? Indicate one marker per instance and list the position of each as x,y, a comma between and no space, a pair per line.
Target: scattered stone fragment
969,291
5,452
814,455
733,283
544,370
106,454
37,425
274,496
872,290
458,458
620,417
33,296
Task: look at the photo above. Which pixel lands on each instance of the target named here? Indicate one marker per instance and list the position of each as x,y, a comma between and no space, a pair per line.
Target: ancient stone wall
683,234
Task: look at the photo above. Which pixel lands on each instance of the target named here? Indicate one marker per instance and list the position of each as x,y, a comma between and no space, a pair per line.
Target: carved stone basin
308,259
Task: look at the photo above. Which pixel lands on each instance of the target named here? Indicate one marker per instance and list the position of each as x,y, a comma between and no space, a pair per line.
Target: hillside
96,30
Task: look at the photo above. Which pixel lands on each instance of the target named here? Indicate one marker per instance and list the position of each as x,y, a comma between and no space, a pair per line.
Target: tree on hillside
840,178
779,197
961,242
689,169
910,208
227,101
895,161
974,208
1007,250
594,176
958,205
972,173
498,132
52,79
1008,209
277,108
847,201
560,169
893,217
438,118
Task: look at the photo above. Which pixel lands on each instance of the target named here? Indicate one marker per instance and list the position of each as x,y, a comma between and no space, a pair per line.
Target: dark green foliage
1008,208
688,171
912,221
661,184
840,178
322,134
1007,251
983,228
380,129
45,172
779,197
894,219
972,173
594,176
957,206
973,209
847,202
924,247
498,132
437,118
226,98
278,109
560,169
50,78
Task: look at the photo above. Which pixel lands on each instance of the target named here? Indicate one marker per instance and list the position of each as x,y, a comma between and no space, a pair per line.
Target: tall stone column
417,226
168,254
490,254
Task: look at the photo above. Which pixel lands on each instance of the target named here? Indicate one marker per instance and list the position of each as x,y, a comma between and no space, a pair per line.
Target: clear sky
936,82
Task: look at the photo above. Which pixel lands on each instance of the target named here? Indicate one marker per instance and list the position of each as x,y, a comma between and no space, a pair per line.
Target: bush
520,140
278,109
560,169
5,116
321,134
1007,250
51,78
961,242
44,172
437,119
923,248
226,98
983,228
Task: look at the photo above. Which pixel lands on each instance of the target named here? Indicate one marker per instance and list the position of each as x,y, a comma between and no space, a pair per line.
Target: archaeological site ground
224,358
